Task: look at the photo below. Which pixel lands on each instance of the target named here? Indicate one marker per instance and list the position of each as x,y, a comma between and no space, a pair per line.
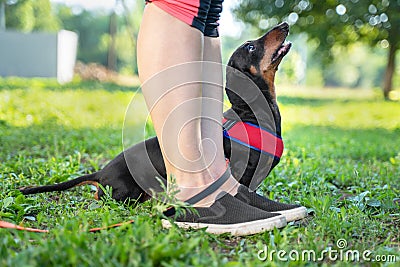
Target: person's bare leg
212,104
212,93
164,41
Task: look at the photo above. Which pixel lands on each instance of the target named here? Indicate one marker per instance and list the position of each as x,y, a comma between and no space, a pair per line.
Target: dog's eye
251,48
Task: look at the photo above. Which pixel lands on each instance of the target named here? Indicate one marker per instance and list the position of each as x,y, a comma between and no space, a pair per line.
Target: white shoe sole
293,214
238,229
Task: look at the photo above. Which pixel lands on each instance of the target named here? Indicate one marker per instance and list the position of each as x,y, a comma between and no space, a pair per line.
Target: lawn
341,160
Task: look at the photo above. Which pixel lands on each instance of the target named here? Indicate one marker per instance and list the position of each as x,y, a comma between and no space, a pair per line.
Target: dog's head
259,59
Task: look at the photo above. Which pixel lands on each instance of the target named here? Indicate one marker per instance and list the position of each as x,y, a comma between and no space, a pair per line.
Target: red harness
254,137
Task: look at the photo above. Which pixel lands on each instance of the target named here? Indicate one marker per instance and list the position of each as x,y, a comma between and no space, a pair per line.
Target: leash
7,225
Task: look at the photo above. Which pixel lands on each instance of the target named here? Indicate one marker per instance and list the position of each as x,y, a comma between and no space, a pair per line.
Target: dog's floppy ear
241,85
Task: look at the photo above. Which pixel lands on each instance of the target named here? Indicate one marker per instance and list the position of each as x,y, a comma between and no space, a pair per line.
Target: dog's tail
85,179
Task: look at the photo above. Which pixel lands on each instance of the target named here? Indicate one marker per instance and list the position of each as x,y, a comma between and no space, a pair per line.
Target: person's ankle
183,193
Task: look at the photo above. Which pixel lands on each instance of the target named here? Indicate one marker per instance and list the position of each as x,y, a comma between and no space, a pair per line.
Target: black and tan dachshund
250,88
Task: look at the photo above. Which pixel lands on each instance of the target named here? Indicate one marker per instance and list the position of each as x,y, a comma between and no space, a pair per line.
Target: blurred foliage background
337,43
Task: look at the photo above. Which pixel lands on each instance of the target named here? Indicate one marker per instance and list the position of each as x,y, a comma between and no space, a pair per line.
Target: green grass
342,161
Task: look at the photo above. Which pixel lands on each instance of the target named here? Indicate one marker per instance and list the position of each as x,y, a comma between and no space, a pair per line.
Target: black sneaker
290,211
229,215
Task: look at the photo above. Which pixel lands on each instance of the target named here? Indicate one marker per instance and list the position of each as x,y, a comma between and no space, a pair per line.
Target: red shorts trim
185,11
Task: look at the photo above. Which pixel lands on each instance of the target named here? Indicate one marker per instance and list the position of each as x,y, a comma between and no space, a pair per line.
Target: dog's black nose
283,26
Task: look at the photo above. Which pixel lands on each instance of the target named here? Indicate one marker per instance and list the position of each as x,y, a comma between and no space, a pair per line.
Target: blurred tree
112,53
106,37
123,34
2,15
132,16
30,15
44,16
92,28
334,22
